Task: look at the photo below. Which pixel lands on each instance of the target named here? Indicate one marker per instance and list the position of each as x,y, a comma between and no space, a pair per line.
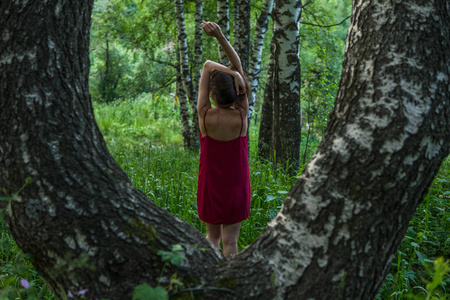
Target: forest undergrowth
144,138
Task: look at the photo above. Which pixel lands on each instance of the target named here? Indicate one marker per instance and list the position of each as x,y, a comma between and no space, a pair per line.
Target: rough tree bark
265,148
198,60
255,62
185,74
286,128
340,225
184,113
223,21
236,25
243,31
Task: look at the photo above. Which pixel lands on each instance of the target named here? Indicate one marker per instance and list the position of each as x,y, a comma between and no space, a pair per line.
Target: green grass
149,148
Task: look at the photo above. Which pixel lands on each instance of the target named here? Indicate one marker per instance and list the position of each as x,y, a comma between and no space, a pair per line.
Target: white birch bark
244,33
198,42
223,21
286,134
181,98
255,62
236,24
185,74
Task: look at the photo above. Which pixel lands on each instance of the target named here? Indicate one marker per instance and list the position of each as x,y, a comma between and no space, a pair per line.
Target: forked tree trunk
185,74
86,226
255,62
223,21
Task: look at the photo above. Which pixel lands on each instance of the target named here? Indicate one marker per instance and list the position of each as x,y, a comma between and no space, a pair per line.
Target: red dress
223,194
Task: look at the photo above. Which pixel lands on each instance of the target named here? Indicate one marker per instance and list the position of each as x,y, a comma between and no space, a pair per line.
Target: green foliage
146,292
141,55
15,266
322,52
417,262
175,257
150,119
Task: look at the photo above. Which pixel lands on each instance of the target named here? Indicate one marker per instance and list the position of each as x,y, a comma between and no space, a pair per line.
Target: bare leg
230,238
213,233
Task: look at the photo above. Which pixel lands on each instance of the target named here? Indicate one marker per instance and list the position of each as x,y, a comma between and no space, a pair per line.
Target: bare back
223,124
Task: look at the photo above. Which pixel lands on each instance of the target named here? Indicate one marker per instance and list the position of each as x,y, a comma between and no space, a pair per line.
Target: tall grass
148,147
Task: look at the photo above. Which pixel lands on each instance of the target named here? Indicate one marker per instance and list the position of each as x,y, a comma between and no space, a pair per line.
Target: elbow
207,64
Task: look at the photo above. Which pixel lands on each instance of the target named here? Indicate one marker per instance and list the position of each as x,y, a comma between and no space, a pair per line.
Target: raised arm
212,29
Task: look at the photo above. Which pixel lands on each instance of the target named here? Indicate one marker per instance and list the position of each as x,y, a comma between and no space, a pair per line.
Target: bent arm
203,101
214,30
233,57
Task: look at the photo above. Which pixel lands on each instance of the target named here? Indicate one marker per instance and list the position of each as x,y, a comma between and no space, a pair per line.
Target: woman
223,195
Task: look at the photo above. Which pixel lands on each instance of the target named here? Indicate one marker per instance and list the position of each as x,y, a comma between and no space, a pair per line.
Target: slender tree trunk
105,89
265,148
198,60
223,21
184,113
86,226
255,61
236,24
185,75
244,33
286,132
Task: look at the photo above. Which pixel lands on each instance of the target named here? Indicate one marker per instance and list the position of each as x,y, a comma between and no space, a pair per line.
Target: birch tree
265,147
236,24
86,227
181,98
243,37
285,81
198,61
185,74
255,61
223,21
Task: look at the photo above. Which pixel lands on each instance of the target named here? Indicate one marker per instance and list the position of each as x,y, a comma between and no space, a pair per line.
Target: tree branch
324,26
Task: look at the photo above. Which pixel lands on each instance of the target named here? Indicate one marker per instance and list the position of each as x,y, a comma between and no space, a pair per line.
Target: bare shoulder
243,109
201,113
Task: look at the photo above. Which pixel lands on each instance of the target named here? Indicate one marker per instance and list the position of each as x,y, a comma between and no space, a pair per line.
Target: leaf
283,192
415,245
272,213
177,247
175,257
270,198
146,292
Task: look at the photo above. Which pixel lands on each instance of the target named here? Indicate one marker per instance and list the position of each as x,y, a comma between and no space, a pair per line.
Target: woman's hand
212,29
239,83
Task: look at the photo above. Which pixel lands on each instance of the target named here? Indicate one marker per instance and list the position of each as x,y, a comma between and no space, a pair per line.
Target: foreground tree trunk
86,226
